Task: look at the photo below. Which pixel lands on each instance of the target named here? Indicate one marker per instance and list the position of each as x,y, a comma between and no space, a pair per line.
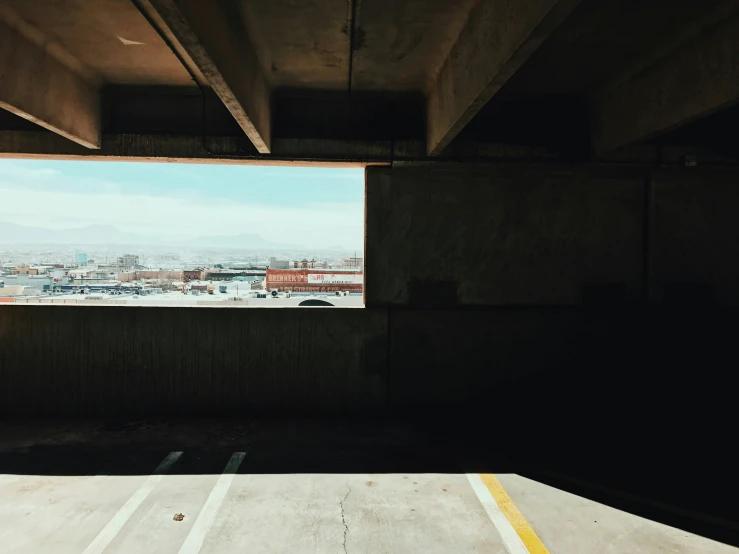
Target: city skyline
312,207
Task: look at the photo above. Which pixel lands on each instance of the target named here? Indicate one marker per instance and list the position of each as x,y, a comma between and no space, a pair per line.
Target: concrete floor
61,493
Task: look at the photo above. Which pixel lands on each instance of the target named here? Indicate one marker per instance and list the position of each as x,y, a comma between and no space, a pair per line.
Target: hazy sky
316,207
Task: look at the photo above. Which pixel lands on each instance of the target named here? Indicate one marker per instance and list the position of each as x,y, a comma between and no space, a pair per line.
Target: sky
314,207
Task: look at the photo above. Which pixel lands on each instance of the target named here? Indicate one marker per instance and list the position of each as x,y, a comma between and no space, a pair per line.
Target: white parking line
114,526
512,541
194,541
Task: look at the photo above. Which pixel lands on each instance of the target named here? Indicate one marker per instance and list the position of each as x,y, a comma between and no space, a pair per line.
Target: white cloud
15,174
9,168
182,216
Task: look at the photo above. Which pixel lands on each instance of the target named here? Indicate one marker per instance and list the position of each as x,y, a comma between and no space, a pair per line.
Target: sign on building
335,279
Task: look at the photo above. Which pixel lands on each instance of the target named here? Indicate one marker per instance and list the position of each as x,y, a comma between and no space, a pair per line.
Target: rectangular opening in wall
154,234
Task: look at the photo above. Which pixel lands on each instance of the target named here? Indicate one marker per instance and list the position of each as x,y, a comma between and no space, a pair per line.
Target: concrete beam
695,80
184,148
499,36
218,48
36,85
190,149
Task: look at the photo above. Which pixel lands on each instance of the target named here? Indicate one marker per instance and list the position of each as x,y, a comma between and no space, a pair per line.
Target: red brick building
314,280
192,274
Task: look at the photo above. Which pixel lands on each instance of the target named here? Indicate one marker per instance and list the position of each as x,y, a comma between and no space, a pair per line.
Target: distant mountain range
105,235
238,241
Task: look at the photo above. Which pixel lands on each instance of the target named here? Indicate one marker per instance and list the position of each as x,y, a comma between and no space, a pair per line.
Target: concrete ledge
120,361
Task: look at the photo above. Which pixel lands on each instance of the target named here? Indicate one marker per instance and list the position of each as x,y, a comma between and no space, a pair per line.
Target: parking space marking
114,526
194,541
511,539
497,503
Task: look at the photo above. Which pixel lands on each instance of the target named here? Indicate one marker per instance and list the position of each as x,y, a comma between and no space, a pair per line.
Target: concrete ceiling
110,37
300,43
401,46
606,39
538,72
398,46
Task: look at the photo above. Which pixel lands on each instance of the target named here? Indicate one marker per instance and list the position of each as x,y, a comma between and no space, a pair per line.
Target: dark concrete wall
519,312
502,235
546,235
528,288
694,237
488,286
109,361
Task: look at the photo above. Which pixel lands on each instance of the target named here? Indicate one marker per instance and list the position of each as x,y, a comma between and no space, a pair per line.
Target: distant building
80,258
128,261
81,275
274,263
31,284
58,275
39,269
357,263
246,265
193,274
305,264
200,286
128,276
257,285
246,275
10,290
314,280
110,268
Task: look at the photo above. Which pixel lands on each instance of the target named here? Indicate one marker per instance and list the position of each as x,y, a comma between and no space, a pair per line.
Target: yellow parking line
519,523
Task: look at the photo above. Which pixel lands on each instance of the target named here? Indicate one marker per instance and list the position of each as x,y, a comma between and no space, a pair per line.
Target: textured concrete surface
695,80
296,474
353,513
694,237
261,513
497,39
303,44
402,45
109,360
181,487
501,234
80,121
570,524
454,360
95,33
397,46
609,39
222,51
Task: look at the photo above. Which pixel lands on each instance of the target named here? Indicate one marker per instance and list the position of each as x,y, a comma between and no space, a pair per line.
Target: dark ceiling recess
718,132
11,122
556,121
335,115
166,110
